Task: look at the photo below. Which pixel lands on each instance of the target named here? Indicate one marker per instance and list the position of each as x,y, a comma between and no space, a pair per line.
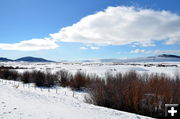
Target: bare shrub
64,77
79,81
50,79
42,79
26,77
9,74
38,78
144,94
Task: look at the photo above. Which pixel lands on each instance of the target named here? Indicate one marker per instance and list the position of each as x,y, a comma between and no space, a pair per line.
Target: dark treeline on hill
144,94
25,59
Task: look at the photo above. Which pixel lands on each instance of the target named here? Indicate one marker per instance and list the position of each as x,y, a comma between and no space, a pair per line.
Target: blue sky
89,29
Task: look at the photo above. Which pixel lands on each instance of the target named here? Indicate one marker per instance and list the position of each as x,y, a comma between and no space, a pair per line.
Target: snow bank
18,101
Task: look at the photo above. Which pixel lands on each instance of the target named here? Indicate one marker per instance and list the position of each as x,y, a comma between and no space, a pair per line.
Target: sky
89,29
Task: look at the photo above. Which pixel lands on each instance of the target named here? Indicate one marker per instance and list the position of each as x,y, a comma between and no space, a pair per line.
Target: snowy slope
31,103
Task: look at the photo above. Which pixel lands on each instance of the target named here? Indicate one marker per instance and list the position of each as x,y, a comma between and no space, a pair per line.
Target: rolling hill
25,59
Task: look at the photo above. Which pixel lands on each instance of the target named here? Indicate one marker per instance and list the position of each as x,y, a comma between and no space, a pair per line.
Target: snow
18,101
98,68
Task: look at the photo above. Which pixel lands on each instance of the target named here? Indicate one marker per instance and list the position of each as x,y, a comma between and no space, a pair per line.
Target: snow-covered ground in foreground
99,68
25,102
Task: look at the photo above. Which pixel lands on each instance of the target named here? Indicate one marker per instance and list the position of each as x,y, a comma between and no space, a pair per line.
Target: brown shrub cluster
64,77
9,74
143,94
78,81
39,78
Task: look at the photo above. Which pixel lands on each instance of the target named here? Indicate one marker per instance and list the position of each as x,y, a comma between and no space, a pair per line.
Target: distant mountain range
158,58
25,59
2,59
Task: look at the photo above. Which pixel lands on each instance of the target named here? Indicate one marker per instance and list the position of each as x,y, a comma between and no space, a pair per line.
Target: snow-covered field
99,68
18,101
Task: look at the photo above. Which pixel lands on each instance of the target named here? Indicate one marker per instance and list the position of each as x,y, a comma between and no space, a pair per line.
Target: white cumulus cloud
114,26
94,48
83,48
124,25
136,51
164,52
90,47
30,45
